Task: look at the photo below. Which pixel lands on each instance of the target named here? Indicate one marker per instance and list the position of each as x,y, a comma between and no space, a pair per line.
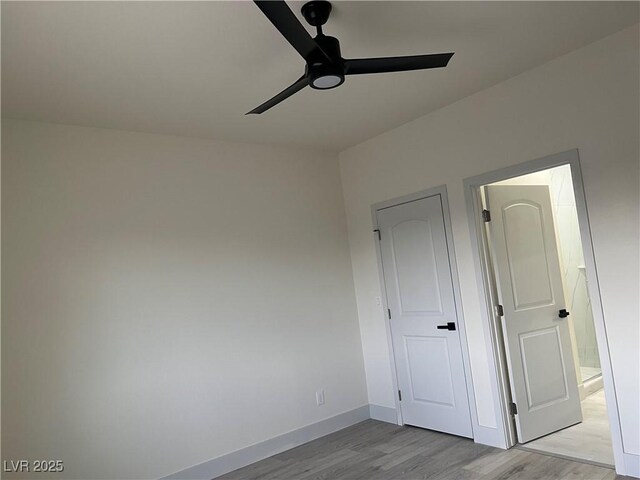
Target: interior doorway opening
536,266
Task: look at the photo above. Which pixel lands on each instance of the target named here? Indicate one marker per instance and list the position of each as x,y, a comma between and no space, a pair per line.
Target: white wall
587,99
167,300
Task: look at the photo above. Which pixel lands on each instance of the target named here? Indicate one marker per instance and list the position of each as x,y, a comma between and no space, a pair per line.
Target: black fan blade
361,66
283,95
279,13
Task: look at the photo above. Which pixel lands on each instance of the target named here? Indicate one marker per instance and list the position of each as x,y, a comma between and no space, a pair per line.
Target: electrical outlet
320,397
378,301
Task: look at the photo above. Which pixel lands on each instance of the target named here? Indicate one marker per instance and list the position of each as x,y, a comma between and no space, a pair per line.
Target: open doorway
555,358
547,332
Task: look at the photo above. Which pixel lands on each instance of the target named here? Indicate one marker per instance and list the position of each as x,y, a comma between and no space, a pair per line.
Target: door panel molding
532,268
448,399
406,264
535,404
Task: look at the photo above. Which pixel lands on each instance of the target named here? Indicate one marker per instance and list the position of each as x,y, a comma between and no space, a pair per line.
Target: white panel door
426,343
539,355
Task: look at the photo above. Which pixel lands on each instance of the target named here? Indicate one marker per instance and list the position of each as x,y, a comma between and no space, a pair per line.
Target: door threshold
563,456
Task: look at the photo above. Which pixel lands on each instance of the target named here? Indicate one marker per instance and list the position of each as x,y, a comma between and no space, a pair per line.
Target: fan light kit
325,67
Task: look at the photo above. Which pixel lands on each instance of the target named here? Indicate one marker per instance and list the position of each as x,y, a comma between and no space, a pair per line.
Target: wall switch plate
320,397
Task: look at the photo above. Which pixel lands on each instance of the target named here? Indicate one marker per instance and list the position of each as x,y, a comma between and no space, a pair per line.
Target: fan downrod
316,12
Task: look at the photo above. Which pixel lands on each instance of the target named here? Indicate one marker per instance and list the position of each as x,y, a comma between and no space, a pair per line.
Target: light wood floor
374,450
589,440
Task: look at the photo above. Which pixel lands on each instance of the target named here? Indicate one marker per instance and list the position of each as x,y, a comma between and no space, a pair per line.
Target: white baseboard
384,414
590,386
631,465
259,451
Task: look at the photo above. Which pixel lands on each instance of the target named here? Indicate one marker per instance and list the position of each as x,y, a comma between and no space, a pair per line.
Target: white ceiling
195,68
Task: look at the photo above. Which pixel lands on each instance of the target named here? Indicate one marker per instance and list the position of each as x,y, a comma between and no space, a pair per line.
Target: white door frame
487,289
442,192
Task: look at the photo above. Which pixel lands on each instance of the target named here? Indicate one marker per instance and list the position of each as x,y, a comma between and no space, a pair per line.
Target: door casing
442,192
487,290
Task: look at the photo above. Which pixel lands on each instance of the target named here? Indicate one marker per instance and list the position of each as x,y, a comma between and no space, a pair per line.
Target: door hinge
513,408
499,311
378,232
389,313
399,395
486,215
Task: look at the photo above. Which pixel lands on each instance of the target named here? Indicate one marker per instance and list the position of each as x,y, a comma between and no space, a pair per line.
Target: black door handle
448,326
563,313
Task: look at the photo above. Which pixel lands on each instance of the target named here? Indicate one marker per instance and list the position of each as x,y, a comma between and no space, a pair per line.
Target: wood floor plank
494,460
374,450
256,470
313,464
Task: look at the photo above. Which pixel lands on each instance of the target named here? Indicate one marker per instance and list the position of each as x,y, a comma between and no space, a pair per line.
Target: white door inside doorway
538,345
424,322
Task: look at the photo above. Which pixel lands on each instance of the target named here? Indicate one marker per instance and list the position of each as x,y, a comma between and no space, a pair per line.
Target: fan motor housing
324,75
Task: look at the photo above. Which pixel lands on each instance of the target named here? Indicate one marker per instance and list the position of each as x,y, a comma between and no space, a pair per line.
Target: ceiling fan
325,67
